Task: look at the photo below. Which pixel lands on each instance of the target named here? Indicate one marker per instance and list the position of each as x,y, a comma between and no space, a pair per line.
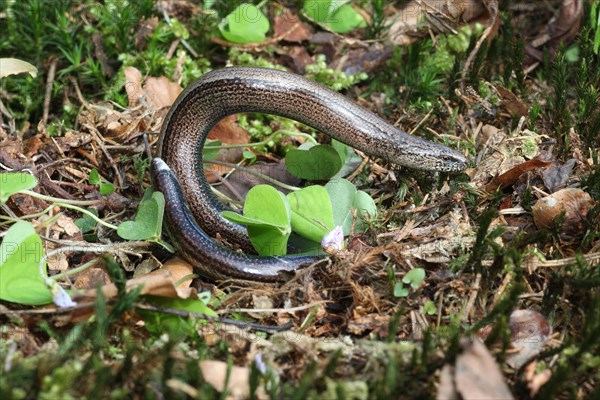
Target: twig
48,94
273,310
472,297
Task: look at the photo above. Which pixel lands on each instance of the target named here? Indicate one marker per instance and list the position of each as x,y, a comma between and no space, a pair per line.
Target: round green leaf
312,216
414,277
20,254
12,182
148,220
267,215
344,199
246,24
346,19
336,14
320,162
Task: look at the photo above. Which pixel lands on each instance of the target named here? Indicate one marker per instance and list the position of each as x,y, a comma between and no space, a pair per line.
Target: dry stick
483,38
48,95
274,310
472,297
413,130
100,141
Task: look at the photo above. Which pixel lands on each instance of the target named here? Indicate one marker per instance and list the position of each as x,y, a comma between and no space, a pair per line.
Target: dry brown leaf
560,31
238,385
179,269
476,374
157,283
529,333
288,27
511,103
511,176
91,278
32,145
133,85
160,92
227,131
240,182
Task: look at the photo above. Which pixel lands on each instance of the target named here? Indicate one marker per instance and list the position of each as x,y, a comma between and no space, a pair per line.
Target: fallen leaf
560,31
179,269
91,278
288,27
14,66
160,92
512,175
511,103
238,385
555,177
529,333
477,375
240,182
133,85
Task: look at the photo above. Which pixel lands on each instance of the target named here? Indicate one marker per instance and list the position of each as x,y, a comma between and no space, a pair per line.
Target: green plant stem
257,174
76,270
283,132
64,205
89,214
59,200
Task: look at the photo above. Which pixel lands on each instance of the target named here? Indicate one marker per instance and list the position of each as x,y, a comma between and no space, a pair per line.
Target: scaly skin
243,89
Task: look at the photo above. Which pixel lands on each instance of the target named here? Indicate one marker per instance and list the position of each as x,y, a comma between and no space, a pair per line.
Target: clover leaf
246,24
345,198
313,162
147,224
20,254
267,216
312,215
12,182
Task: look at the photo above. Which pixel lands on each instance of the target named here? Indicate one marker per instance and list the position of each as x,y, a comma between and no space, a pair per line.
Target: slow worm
192,211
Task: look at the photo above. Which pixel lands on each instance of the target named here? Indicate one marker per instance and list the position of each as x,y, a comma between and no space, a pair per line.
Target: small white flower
334,240
59,296
260,364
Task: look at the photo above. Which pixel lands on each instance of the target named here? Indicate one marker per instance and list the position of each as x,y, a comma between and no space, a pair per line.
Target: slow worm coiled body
243,89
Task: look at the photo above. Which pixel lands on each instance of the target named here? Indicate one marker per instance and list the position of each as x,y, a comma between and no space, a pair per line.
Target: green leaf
148,220
336,14
158,323
429,308
267,215
345,198
312,215
246,24
179,30
400,290
346,19
350,160
12,182
319,162
414,277
94,178
104,187
211,150
20,254
86,223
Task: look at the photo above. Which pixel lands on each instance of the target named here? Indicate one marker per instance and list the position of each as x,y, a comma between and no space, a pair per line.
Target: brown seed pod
575,203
